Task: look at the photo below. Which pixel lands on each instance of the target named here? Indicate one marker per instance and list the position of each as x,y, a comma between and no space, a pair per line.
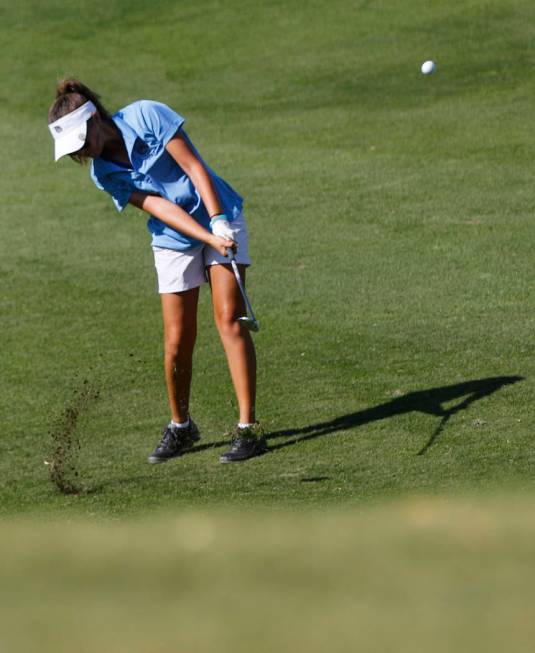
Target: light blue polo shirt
147,127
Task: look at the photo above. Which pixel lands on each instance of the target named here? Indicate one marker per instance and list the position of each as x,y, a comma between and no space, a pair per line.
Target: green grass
410,576
391,224
391,221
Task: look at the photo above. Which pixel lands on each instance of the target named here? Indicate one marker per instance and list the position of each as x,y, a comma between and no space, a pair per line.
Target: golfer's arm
172,214
181,152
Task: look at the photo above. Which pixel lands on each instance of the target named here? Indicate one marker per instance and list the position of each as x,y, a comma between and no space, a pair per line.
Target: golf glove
220,226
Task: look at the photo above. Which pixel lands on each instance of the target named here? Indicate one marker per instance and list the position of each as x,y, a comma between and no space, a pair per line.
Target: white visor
69,131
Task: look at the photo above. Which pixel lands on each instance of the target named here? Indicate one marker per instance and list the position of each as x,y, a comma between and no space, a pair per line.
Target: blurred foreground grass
417,574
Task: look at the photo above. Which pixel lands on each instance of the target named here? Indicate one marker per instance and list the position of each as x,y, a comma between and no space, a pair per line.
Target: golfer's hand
221,244
219,226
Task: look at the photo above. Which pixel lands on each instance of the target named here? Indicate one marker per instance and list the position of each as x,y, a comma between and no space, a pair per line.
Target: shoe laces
169,435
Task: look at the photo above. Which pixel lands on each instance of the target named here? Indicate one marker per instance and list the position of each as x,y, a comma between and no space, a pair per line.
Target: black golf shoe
246,443
174,442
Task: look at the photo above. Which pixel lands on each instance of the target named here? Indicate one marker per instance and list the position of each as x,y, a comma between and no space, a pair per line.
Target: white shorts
179,271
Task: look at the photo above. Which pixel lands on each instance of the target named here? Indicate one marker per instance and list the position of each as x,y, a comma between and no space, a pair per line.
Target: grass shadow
429,402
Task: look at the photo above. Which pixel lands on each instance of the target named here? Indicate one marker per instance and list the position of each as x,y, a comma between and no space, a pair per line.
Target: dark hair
71,94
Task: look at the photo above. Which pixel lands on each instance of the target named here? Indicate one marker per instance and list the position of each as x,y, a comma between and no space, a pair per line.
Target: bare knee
179,343
227,324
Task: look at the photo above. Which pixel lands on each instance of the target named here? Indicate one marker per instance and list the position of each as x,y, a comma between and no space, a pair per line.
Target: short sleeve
161,122
115,185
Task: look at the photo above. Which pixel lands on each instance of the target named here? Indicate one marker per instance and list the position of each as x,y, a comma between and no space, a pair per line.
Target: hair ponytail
71,94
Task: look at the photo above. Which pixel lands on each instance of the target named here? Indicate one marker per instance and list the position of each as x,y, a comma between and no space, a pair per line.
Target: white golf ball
428,67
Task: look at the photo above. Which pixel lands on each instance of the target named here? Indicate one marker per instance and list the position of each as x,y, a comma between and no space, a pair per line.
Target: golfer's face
93,140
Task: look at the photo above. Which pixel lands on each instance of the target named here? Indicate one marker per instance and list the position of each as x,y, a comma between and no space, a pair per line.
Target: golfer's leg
179,311
237,342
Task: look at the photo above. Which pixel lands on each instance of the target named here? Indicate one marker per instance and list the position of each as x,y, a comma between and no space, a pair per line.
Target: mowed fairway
392,228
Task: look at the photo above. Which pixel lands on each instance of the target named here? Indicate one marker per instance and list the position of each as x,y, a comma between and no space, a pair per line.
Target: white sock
178,425
244,426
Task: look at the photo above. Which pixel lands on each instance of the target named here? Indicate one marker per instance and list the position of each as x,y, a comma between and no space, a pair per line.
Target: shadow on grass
429,402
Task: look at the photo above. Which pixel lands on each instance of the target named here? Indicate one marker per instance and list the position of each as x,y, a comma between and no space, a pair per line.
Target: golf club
248,321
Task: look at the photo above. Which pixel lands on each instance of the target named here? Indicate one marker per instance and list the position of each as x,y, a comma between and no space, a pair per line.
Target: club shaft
241,287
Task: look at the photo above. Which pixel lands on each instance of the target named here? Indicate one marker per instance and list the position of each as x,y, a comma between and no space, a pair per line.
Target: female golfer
141,155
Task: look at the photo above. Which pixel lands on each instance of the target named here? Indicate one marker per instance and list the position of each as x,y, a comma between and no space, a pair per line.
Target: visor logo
58,129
